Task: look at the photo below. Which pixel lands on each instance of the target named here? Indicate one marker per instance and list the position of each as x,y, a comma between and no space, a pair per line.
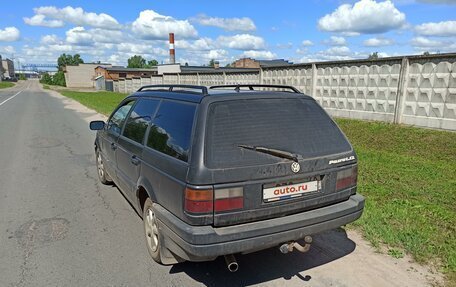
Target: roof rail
237,88
170,88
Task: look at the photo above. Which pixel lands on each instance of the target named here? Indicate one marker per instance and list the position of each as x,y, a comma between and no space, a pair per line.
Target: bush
22,77
58,79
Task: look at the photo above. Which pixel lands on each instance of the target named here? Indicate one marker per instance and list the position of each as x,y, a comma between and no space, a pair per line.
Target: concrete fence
414,90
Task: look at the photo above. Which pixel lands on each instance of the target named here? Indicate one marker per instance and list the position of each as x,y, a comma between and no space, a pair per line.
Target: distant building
82,75
7,69
112,73
252,63
177,68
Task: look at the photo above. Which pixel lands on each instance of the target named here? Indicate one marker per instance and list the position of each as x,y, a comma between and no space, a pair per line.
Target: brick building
252,63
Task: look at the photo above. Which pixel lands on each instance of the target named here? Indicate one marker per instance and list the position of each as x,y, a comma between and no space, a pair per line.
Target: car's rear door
131,143
248,148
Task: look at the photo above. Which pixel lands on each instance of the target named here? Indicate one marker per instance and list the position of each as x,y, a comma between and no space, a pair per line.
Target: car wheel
151,231
102,175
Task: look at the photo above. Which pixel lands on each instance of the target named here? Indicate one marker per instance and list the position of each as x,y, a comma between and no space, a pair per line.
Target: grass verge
408,176
102,102
4,85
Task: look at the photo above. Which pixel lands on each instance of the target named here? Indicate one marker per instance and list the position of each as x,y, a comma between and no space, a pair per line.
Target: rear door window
171,130
296,125
140,116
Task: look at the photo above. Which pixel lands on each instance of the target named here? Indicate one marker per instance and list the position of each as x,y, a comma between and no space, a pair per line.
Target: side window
172,129
139,118
118,118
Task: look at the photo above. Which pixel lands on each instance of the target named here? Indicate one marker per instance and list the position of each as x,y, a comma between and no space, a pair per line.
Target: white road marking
11,97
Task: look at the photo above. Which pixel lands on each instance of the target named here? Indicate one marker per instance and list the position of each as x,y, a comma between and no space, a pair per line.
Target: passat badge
295,167
349,158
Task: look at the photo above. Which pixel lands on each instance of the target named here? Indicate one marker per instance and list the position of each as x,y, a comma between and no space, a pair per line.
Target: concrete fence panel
430,97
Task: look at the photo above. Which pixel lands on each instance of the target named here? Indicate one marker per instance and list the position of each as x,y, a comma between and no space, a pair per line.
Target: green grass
4,85
102,102
46,87
408,176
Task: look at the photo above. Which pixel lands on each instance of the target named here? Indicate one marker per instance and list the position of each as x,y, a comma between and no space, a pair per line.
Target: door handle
113,146
135,160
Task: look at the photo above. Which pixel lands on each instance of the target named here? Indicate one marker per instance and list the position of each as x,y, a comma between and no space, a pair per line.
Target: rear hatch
251,149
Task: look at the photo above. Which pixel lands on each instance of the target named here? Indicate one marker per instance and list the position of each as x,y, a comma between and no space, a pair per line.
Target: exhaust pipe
288,247
231,263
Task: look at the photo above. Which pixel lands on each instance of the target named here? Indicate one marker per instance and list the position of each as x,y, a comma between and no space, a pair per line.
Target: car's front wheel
151,231
102,175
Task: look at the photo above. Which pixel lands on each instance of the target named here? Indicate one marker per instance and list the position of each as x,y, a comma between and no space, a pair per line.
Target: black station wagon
229,169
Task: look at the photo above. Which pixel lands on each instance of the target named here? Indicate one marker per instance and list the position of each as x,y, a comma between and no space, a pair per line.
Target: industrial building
252,63
7,69
82,75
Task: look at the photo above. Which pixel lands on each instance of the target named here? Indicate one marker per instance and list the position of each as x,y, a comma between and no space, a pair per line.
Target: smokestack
172,52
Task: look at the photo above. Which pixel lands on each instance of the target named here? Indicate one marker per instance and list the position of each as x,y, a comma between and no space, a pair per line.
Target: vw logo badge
295,167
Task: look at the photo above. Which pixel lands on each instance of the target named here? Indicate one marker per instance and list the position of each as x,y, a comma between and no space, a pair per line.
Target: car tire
102,175
151,231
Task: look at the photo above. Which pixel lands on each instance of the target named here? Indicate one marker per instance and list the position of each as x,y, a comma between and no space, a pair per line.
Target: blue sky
299,31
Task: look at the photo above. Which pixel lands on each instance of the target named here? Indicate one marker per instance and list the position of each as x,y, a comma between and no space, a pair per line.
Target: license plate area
288,191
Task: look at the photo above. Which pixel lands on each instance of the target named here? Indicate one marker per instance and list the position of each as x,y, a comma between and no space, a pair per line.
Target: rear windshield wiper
271,151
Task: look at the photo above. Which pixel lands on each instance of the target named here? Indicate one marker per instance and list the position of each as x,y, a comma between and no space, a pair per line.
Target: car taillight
199,201
347,178
229,199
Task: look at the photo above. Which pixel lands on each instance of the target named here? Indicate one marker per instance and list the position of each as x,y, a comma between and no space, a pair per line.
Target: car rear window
171,129
295,125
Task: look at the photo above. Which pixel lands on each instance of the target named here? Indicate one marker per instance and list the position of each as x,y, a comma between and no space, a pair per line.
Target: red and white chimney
172,52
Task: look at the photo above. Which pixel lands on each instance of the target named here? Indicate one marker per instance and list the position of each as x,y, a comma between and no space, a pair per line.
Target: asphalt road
61,227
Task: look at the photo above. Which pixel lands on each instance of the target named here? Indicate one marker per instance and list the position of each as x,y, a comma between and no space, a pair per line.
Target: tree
212,63
136,61
152,63
373,56
69,60
426,53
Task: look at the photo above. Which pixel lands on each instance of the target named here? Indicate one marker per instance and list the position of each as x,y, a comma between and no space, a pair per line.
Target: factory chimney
172,52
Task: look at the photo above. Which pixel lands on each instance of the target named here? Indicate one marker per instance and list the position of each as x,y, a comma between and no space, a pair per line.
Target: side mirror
97,125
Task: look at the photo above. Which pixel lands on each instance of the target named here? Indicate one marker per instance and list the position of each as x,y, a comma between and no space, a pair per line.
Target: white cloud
377,42
40,20
141,48
430,45
7,50
83,37
336,41
50,39
307,43
267,55
288,45
365,16
338,51
153,26
425,42
79,36
216,54
244,24
77,16
9,34
242,42
444,29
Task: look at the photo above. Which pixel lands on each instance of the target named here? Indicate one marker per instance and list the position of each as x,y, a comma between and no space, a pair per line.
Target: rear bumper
200,243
